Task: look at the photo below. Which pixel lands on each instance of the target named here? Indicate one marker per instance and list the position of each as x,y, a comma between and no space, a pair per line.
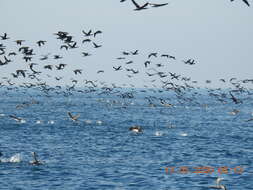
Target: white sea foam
14,159
50,122
87,121
158,133
99,122
183,134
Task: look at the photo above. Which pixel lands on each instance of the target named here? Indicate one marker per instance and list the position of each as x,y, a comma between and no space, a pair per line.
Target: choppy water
99,152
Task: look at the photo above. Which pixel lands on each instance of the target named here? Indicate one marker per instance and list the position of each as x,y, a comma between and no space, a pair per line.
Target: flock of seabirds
154,65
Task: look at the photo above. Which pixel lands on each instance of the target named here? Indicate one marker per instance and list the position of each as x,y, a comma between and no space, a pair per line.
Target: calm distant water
99,152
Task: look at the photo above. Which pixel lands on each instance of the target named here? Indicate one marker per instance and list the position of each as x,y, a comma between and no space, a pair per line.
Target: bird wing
246,2
135,4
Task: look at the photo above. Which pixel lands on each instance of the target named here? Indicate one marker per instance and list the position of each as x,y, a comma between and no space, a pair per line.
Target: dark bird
134,71
57,57
119,58
19,42
89,33
136,129
135,52
58,78
235,100
190,62
12,54
48,67
35,160
117,68
73,117
26,58
4,37
100,71
125,53
85,54
138,7
86,40
7,60
129,62
96,46
60,66
22,72
97,32
44,57
158,5
14,75
64,46
18,119
168,56
245,1
78,71
41,42
73,45
152,54
146,63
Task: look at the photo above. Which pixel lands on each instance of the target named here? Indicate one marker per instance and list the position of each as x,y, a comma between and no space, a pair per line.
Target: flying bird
78,71
158,5
73,117
139,7
117,68
96,46
245,1
4,37
97,32
41,42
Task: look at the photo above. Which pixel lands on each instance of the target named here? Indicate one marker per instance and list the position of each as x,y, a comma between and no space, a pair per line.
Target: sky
217,34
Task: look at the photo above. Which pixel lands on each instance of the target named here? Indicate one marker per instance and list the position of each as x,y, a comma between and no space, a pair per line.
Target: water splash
15,158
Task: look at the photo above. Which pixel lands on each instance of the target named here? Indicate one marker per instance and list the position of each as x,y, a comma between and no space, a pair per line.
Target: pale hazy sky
216,33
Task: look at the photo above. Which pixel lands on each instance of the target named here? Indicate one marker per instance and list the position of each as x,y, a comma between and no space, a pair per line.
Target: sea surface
183,146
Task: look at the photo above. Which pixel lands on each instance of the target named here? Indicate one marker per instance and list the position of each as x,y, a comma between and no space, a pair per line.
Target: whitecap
50,122
99,122
15,158
22,121
38,122
87,121
183,134
158,133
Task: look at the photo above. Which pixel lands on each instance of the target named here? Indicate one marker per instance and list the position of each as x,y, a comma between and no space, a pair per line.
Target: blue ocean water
99,152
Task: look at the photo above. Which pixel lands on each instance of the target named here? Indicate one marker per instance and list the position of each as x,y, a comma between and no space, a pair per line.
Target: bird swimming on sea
136,129
35,161
218,185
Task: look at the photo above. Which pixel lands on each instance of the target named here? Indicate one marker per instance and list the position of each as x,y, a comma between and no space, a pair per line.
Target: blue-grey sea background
99,151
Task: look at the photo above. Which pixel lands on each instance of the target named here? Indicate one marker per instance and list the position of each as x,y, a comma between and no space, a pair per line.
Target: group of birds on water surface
153,67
